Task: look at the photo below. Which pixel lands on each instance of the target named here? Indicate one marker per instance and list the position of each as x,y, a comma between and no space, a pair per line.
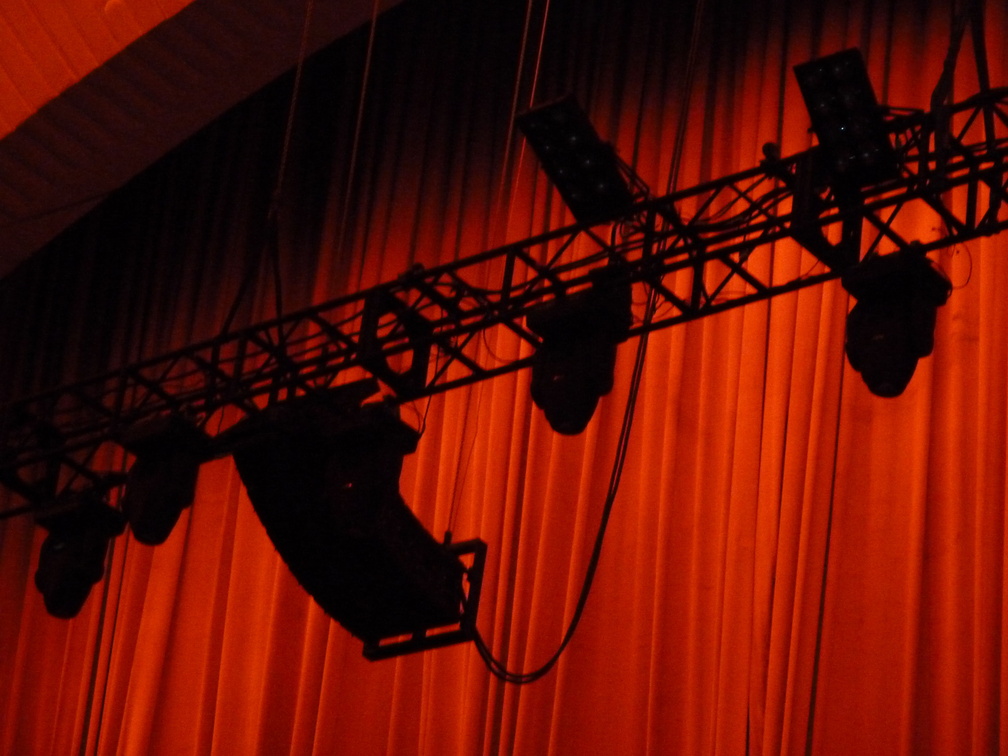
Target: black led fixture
162,479
892,323
585,170
847,119
322,472
72,559
574,365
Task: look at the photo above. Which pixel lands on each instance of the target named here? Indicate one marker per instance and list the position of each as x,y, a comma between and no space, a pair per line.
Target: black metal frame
704,250
430,638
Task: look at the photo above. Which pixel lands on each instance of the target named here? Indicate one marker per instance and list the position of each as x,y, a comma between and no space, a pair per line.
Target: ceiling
94,91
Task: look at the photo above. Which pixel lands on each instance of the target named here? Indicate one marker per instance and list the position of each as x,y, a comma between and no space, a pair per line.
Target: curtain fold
793,565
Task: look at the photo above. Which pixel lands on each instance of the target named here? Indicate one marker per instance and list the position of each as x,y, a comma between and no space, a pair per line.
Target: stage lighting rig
594,183
854,152
848,120
573,366
322,472
892,323
419,333
846,117
80,525
162,480
384,306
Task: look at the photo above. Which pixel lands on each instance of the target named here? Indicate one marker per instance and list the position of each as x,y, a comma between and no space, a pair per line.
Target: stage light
583,168
406,321
847,119
162,479
322,472
72,558
892,323
573,367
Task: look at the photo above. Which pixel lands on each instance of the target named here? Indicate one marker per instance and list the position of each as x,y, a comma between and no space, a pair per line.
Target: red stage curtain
793,565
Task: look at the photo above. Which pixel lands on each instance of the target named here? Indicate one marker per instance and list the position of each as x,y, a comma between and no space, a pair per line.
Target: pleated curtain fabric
792,565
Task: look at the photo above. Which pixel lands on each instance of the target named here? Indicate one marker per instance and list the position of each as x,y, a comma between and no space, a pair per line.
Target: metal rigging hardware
707,249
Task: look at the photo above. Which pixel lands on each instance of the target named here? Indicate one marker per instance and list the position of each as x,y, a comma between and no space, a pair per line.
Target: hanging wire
103,613
466,451
272,249
680,141
969,259
289,128
821,614
498,668
358,127
96,656
514,112
462,467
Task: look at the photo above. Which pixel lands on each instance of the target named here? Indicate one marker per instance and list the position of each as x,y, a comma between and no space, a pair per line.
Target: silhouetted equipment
322,472
573,367
72,558
807,209
162,480
723,235
407,321
460,630
892,323
847,119
584,169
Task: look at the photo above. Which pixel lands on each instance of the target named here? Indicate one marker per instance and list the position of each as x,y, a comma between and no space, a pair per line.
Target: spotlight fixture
847,119
574,365
585,170
405,321
162,480
322,472
72,558
892,323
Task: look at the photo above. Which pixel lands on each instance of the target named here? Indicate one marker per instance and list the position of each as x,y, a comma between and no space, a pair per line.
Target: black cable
271,249
497,667
273,241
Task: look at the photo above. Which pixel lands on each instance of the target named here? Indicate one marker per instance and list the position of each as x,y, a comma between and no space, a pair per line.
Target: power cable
358,128
499,668
465,454
272,245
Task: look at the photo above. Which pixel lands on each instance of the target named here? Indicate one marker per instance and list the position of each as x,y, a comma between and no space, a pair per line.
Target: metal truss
733,241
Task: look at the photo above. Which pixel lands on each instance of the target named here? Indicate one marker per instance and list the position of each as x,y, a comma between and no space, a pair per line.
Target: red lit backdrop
793,565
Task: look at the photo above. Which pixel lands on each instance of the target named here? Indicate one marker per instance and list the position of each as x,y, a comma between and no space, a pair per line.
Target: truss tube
715,231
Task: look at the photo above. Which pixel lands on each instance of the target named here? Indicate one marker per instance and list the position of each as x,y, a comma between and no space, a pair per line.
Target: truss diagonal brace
688,246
